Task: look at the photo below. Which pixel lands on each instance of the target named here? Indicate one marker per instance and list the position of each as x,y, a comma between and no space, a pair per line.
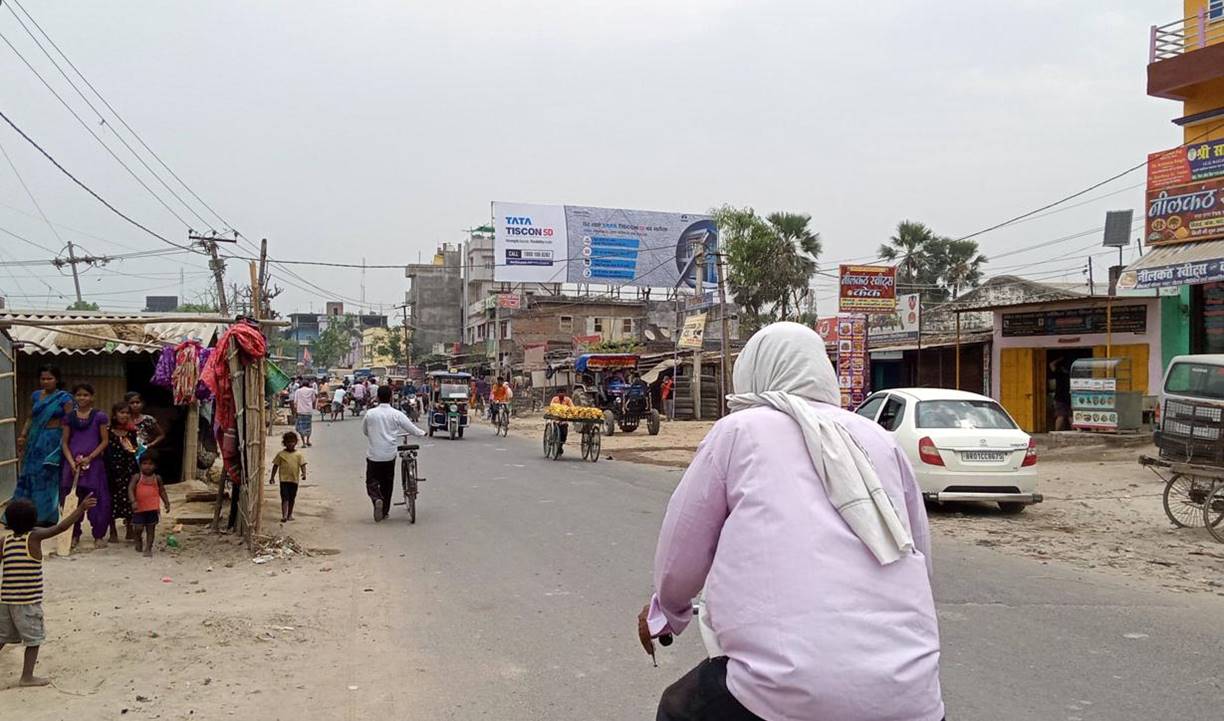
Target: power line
117,115
89,190
89,130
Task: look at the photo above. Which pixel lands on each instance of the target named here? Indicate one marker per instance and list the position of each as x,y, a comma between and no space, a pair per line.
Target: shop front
1040,349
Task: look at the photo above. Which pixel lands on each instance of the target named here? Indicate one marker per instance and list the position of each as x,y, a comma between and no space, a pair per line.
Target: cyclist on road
501,396
383,426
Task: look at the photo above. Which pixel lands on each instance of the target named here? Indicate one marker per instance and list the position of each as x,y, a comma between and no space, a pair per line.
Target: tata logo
518,220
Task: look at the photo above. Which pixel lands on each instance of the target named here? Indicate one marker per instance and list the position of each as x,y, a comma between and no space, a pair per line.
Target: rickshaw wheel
1183,500
594,444
1213,513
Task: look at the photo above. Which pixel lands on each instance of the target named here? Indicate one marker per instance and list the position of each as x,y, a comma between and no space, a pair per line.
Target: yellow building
371,340
1184,216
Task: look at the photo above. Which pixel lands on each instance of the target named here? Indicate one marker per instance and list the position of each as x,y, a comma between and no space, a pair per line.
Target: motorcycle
411,407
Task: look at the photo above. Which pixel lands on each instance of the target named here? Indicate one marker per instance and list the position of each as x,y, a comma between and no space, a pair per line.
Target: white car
963,446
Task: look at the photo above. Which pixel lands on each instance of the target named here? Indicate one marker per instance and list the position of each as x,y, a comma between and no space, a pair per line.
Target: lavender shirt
813,626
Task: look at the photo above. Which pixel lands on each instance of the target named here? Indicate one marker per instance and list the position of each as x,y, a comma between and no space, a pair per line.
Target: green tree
83,305
958,264
936,267
208,308
770,261
624,345
392,345
910,250
335,342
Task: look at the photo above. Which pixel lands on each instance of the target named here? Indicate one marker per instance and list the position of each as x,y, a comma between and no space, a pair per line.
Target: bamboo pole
231,358
110,320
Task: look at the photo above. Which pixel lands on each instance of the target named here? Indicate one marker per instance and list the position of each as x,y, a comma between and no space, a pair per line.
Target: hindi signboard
852,359
867,289
1185,212
693,333
614,246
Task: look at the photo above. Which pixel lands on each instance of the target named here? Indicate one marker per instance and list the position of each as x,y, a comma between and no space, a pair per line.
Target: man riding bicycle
501,395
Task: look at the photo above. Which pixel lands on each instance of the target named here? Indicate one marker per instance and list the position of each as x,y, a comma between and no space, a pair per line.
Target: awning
653,374
1177,264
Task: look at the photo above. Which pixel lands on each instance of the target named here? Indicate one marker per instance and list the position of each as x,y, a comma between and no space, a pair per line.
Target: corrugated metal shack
115,355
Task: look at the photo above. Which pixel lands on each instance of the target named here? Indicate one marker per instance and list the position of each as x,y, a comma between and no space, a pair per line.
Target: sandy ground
1102,510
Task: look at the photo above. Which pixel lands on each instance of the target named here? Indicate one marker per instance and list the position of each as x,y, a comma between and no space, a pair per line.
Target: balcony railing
1188,34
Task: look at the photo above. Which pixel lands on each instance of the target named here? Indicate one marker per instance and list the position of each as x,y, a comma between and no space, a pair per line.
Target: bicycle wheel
1183,500
596,444
411,490
586,443
550,438
1213,512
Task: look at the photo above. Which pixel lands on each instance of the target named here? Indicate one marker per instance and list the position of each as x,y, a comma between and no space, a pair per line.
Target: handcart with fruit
588,421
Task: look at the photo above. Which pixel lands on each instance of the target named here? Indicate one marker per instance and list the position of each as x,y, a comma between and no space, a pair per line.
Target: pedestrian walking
304,406
291,465
383,427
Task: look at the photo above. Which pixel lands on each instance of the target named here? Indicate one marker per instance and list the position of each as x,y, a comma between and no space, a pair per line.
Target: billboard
1185,212
852,360
1185,164
867,289
693,333
900,326
612,246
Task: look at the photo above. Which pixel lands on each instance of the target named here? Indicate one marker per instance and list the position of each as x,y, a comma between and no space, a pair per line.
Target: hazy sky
378,129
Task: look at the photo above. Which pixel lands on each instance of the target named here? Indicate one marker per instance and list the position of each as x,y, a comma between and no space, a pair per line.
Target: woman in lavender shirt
805,526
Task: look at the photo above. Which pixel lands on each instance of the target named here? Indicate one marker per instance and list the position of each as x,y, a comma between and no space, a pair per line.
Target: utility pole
215,264
407,345
76,279
264,297
695,386
1091,283
723,333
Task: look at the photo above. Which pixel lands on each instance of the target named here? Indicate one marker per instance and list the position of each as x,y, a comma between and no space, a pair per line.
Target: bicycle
501,420
409,478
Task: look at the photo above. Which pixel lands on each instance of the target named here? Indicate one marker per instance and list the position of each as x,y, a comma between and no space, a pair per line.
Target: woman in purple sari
40,449
85,438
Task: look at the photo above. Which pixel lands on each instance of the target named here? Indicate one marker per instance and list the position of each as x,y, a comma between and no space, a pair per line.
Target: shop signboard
1094,404
867,289
900,326
1185,164
614,246
1075,321
509,301
852,359
583,342
827,329
693,333
1171,276
1185,212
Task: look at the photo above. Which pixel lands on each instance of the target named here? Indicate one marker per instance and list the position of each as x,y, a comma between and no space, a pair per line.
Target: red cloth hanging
251,345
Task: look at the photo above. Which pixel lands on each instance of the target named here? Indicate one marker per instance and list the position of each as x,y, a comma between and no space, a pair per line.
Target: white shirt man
304,406
383,426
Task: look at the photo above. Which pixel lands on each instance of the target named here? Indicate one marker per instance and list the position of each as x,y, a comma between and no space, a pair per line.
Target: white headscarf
784,366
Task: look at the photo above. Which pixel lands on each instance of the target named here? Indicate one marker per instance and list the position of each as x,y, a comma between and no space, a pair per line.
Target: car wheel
1011,508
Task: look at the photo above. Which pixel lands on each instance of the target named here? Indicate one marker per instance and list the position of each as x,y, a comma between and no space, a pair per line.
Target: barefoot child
292,465
144,491
21,579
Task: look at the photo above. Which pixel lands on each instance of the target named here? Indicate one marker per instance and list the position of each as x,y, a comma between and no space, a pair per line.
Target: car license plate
987,456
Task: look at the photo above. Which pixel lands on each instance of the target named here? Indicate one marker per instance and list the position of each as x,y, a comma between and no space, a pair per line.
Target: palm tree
961,265
910,248
798,249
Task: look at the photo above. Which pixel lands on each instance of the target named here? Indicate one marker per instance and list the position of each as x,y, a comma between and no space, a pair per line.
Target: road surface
514,597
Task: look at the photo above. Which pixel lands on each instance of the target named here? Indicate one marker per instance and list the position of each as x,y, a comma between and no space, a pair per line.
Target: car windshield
961,414
1196,379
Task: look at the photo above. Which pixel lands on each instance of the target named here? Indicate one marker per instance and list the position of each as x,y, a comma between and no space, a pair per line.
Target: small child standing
21,579
144,491
292,465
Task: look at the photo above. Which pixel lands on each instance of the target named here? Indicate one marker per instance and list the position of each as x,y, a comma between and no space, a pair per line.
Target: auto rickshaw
610,381
448,402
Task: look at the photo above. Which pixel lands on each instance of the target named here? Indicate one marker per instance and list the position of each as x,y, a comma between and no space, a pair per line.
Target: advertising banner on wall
900,326
693,333
867,289
612,246
1185,212
1185,164
852,359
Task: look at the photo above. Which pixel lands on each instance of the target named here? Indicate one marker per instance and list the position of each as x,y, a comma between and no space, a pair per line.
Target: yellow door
1138,355
1016,385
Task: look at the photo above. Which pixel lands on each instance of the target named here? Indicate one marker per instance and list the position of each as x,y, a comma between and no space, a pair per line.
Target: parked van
1190,416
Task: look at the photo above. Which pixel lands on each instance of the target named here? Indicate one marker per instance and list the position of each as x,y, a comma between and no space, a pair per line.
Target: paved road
514,597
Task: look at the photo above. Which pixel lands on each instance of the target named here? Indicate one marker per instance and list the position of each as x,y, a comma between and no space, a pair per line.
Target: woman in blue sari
39,444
